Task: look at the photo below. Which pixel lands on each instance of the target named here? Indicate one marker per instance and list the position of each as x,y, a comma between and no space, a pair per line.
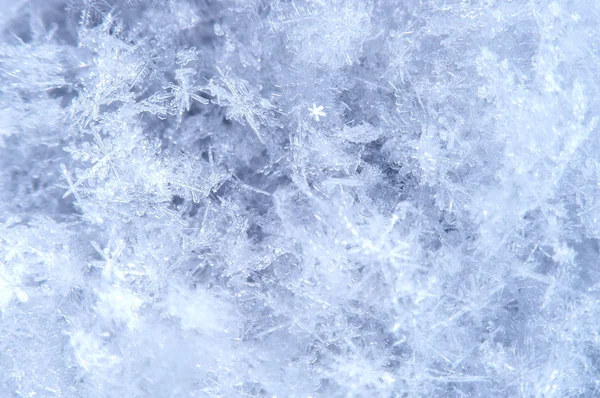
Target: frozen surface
299,198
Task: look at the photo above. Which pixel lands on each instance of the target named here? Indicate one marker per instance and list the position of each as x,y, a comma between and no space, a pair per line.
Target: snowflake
317,111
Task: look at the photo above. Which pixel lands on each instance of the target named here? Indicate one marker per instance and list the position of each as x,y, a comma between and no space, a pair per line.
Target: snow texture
299,198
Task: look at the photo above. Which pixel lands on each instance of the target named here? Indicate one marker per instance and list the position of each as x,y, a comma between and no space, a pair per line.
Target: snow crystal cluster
299,198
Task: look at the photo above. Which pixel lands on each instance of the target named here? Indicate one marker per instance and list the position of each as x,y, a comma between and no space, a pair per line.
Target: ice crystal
307,198
317,112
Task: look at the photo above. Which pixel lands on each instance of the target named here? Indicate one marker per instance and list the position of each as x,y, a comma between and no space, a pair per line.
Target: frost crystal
307,198
317,111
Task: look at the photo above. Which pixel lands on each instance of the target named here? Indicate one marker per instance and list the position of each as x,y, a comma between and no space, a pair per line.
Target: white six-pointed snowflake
317,111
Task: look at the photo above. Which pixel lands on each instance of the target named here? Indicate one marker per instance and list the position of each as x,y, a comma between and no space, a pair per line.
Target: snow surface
299,198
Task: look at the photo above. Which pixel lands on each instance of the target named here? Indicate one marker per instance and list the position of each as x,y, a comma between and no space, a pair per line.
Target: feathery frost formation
299,198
